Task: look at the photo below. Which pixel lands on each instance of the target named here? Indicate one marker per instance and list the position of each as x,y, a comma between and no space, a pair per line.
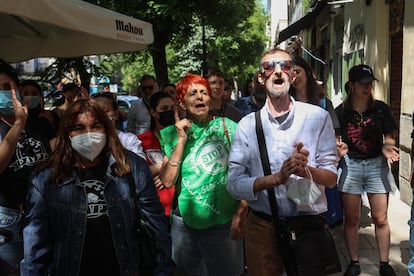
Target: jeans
11,252
410,264
205,252
356,176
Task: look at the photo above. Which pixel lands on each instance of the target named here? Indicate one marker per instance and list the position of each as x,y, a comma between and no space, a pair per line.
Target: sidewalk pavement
398,216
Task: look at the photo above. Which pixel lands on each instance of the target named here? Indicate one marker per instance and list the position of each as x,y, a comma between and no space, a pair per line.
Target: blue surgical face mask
6,102
34,101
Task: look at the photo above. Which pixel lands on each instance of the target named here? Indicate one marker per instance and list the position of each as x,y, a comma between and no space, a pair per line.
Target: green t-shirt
203,200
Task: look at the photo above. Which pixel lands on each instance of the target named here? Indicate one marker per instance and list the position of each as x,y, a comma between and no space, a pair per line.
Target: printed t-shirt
32,148
363,132
98,254
203,200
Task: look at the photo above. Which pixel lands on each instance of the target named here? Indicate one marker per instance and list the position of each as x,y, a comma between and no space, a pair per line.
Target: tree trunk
159,58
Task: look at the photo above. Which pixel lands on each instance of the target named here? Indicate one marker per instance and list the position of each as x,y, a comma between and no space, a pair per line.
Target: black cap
361,73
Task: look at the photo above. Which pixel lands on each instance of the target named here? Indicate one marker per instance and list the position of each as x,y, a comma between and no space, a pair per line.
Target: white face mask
304,191
89,144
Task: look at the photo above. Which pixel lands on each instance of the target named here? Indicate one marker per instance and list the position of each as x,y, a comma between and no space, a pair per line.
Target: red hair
188,80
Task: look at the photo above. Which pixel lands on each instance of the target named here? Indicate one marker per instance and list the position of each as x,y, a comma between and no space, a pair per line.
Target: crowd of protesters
70,180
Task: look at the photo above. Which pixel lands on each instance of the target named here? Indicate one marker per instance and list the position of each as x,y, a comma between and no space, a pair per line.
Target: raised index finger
14,92
176,115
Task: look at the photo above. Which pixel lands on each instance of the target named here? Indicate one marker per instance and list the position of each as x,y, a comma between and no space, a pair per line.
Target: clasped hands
295,164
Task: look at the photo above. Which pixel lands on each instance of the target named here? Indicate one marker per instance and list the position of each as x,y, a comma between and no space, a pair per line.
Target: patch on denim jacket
95,196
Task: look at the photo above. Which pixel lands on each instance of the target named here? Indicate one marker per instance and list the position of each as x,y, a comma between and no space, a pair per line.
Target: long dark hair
64,158
348,101
314,91
6,68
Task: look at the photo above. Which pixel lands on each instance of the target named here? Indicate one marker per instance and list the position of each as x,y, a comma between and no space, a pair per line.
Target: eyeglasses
150,87
268,67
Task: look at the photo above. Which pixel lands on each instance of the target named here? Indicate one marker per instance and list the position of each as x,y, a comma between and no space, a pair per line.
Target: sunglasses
268,67
150,87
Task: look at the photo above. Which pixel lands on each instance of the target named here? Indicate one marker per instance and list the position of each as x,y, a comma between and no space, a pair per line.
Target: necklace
358,119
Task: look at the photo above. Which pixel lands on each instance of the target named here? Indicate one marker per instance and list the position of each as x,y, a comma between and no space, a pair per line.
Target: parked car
124,103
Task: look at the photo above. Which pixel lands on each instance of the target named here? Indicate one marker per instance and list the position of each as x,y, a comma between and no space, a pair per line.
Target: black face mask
167,118
34,112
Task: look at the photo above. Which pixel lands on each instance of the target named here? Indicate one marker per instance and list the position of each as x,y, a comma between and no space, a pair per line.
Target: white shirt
305,123
131,143
139,118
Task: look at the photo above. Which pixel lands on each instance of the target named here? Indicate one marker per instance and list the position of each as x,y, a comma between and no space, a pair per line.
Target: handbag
310,245
334,215
306,245
147,244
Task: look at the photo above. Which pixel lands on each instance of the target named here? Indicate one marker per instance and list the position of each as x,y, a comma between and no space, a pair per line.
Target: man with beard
300,141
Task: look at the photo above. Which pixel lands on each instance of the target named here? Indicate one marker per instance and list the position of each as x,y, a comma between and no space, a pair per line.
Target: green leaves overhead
235,38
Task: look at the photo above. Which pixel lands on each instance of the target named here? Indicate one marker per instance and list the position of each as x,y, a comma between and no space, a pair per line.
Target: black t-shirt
98,254
32,148
363,133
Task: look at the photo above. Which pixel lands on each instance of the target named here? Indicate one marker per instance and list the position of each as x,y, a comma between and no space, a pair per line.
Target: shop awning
67,28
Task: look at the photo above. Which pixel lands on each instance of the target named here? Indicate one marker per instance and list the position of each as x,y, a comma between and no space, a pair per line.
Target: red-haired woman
205,226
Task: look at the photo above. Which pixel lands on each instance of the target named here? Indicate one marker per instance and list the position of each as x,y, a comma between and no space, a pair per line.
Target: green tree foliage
306,4
235,50
234,39
173,19
127,69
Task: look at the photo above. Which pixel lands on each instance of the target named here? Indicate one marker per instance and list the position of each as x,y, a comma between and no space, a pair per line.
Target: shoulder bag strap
222,109
266,169
226,130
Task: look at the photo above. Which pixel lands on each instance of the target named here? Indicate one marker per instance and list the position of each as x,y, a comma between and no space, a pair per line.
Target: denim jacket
55,222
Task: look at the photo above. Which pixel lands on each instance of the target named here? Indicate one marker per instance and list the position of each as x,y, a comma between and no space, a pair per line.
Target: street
398,216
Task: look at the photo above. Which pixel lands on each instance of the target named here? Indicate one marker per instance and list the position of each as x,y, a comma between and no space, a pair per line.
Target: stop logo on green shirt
203,200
